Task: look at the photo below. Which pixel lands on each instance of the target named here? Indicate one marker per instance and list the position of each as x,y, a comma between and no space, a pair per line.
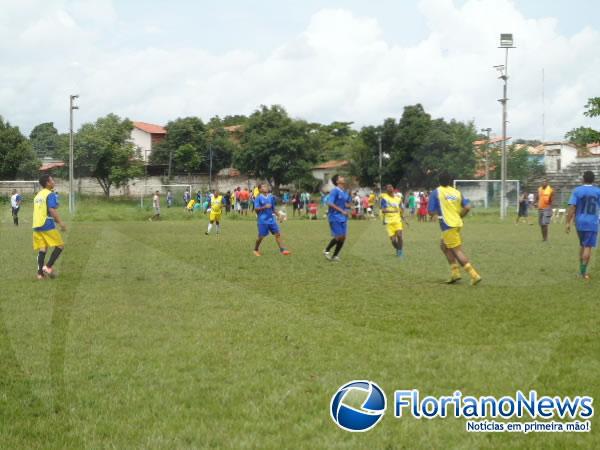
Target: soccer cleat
257,253
399,253
453,279
206,233
586,276
335,259
39,276
285,252
475,280
48,271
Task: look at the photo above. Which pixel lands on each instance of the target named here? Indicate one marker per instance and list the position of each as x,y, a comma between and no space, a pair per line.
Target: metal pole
71,157
170,163
210,157
380,162
503,171
487,172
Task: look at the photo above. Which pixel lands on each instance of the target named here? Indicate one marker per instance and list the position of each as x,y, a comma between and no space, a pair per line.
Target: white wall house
558,155
323,172
145,136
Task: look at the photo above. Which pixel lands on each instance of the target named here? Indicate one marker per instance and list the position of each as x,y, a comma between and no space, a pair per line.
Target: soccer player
45,234
339,205
391,207
545,197
169,199
216,209
264,206
450,207
15,204
156,206
584,206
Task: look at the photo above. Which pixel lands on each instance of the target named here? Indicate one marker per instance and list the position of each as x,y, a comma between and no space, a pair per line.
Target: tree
45,140
17,158
592,107
582,136
519,164
275,147
103,150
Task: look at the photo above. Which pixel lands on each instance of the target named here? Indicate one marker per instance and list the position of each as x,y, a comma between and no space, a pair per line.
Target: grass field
156,336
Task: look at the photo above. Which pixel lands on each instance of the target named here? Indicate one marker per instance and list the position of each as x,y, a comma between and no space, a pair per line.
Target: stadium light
71,158
506,42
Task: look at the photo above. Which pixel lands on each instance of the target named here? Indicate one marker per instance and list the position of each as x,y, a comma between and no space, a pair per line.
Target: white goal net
487,194
176,192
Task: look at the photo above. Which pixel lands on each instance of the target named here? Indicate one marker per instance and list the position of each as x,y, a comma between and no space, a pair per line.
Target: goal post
177,190
487,193
23,187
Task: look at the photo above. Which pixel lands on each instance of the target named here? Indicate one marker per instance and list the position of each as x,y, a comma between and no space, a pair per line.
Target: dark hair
588,177
44,180
445,179
334,179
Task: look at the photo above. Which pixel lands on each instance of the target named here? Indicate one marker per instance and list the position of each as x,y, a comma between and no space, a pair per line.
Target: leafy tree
45,140
333,141
582,136
17,158
186,142
592,107
519,164
275,147
103,151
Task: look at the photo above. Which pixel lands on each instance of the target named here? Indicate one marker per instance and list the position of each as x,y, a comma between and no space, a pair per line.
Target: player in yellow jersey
391,207
216,209
45,234
450,207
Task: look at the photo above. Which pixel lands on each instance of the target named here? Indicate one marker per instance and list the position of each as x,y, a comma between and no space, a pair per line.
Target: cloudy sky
323,60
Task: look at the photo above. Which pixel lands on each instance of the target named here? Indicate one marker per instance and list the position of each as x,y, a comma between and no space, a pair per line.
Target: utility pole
380,161
487,156
71,157
506,42
210,164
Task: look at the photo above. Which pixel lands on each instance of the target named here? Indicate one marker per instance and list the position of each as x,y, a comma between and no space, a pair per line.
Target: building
558,155
594,148
145,136
324,171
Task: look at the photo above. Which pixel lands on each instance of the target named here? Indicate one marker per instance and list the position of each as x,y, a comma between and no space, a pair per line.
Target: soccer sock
471,270
455,270
331,244
16,220
40,261
54,256
582,268
209,227
338,247
256,245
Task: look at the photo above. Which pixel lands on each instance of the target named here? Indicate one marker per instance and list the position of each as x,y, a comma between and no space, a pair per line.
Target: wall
142,140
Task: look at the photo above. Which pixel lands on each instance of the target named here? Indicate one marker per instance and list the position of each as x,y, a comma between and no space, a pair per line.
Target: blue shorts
588,238
265,228
338,228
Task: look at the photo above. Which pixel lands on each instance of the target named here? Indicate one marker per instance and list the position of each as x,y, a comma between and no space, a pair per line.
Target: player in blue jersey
264,207
339,204
584,206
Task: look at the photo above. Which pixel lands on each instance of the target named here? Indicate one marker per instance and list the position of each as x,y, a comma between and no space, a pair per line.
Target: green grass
156,336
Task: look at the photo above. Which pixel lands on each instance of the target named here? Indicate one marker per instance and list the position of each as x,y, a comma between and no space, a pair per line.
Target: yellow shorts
451,237
393,228
46,239
214,217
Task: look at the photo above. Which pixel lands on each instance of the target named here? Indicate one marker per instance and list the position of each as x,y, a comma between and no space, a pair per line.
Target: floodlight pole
71,157
487,172
506,42
380,161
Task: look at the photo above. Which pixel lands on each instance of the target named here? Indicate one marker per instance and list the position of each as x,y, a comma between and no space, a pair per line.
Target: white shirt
13,200
530,198
155,201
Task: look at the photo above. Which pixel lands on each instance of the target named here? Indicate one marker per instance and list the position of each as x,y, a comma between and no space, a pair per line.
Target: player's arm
570,215
54,214
466,207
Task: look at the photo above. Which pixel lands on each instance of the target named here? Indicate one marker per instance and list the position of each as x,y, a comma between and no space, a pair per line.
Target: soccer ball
282,216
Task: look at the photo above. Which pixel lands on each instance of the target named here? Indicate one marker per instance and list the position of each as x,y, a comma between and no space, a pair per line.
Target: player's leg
454,266
218,225
332,243
54,239
279,241
399,243
210,224
263,231
462,258
588,241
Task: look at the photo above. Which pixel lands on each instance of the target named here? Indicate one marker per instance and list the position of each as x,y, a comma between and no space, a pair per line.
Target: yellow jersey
40,208
448,202
392,208
216,204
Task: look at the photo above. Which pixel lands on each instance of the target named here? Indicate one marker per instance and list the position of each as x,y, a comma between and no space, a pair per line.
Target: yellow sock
471,270
455,270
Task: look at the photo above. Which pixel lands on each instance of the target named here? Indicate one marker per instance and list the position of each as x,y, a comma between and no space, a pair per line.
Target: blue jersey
586,200
339,198
265,216
51,202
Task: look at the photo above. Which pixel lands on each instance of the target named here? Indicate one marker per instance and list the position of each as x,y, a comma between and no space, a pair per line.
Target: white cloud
339,68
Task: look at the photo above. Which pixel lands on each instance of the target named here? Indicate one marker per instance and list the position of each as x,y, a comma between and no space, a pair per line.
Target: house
558,155
145,136
324,171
